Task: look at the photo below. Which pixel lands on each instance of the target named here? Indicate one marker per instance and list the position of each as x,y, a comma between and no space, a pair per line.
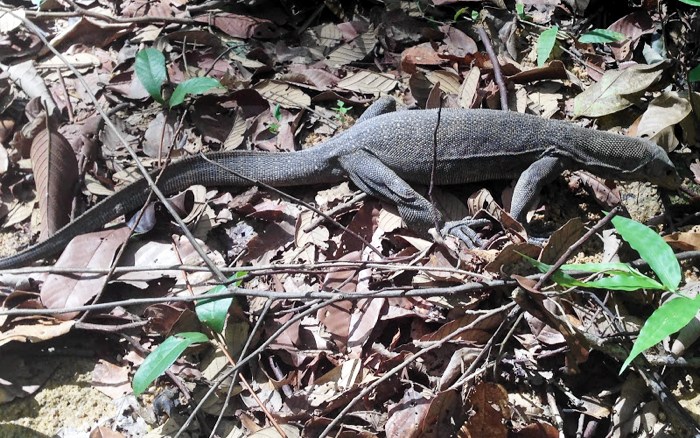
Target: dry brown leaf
617,90
659,120
287,96
353,51
56,174
684,241
365,81
406,416
490,402
111,380
240,26
42,330
93,250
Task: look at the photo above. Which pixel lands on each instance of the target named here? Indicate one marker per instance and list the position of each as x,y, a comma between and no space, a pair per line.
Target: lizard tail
310,166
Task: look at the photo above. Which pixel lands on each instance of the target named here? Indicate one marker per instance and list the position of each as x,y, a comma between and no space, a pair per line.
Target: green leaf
545,44
162,357
277,113
192,86
691,2
624,281
213,312
520,10
666,320
652,248
601,36
150,69
598,267
459,13
694,74
626,278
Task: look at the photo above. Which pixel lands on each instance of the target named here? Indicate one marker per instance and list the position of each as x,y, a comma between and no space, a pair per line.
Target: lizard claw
464,231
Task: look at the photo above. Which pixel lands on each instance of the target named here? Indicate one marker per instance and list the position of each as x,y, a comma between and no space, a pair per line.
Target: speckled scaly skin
386,150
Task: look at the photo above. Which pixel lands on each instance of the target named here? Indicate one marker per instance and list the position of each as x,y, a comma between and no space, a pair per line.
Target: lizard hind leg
375,178
383,105
465,231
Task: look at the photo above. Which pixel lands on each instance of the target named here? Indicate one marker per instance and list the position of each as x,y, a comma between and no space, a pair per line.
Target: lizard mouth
670,181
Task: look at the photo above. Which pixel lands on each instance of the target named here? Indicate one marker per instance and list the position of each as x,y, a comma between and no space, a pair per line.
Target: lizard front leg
531,181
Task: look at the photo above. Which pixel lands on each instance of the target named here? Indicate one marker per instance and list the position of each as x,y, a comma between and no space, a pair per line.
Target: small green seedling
150,69
274,127
341,111
520,10
462,12
545,44
694,74
668,318
211,312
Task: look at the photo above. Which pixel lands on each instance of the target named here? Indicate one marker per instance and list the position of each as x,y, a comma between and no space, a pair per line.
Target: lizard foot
464,231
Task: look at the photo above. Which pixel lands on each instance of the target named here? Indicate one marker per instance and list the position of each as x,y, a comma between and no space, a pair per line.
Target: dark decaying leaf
56,174
93,250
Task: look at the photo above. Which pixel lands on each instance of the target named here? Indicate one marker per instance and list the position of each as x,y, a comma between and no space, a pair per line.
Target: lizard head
660,170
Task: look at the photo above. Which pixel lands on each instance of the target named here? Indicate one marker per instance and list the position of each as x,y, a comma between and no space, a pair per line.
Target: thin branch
502,89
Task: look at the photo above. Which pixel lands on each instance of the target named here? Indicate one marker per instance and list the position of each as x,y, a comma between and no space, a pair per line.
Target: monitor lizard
387,149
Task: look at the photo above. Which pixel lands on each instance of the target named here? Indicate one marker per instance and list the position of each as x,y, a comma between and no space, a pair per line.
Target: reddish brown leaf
490,402
93,250
56,174
240,26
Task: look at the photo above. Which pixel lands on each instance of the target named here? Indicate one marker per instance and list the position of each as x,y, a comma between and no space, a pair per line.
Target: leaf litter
385,357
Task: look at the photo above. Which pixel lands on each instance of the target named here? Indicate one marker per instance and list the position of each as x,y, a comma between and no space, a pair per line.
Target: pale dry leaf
684,241
95,187
468,91
663,113
616,90
334,195
287,96
10,22
42,330
80,61
91,32
450,83
353,51
317,236
159,135
18,213
406,416
28,79
236,136
364,319
389,221
365,81
110,379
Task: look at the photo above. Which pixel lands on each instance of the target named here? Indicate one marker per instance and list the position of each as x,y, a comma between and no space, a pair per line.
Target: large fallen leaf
369,82
353,51
287,96
28,79
240,26
617,90
659,120
56,174
93,250
41,331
